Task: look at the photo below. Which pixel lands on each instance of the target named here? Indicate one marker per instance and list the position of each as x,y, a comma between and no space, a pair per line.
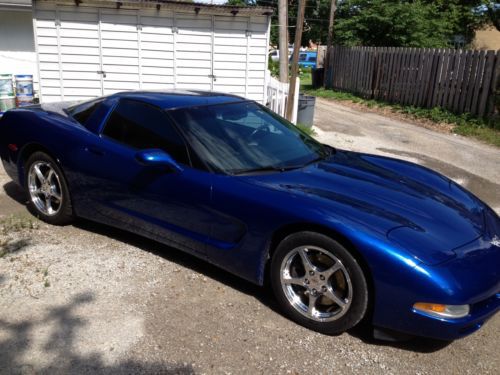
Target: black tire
63,211
320,250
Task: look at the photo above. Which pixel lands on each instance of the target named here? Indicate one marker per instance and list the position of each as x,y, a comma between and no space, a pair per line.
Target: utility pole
295,59
283,39
333,9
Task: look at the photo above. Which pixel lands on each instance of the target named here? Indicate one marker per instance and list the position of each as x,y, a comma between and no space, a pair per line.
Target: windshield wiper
270,168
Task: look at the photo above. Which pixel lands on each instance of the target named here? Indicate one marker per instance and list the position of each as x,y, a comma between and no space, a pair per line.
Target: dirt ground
91,299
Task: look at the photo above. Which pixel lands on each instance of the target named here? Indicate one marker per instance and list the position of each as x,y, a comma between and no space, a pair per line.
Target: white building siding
86,52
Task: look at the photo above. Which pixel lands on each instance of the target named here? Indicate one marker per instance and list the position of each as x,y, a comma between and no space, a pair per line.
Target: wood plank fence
458,80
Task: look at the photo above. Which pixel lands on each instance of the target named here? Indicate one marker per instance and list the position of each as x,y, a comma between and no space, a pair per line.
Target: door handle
94,150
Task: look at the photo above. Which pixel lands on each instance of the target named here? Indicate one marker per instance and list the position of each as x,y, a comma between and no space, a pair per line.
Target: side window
142,126
83,112
302,57
312,58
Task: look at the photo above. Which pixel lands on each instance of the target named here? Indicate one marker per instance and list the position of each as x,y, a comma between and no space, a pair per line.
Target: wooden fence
458,80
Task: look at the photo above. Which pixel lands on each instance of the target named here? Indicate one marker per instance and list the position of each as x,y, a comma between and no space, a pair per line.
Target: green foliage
306,129
399,23
464,124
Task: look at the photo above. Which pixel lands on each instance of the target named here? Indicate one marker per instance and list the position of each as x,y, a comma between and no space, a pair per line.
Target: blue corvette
340,236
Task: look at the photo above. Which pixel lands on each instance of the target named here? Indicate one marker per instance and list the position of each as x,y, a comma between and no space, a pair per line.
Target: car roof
179,98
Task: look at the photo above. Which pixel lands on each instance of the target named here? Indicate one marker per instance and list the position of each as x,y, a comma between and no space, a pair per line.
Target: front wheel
47,189
318,283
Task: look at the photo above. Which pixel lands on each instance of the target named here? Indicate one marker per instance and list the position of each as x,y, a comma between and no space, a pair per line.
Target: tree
400,23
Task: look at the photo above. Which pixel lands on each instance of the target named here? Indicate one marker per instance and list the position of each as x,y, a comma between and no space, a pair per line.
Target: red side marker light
12,147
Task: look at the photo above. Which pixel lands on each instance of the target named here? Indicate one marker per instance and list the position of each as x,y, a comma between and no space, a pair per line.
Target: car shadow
363,331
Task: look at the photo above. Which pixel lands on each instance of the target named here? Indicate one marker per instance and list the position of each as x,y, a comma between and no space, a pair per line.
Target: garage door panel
230,73
78,50
73,75
157,63
115,35
121,77
230,65
221,80
224,41
150,46
205,72
182,63
194,86
156,38
77,67
52,32
110,60
80,25
193,79
119,52
79,42
184,55
48,49
81,83
157,86
185,47
76,15
109,43
160,22
120,85
47,41
234,50
202,39
73,33
47,57
163,55
80,59
157,70
227,57
122,69
157,78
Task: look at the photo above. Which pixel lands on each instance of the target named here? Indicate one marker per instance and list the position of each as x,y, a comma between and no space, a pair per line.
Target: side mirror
157,158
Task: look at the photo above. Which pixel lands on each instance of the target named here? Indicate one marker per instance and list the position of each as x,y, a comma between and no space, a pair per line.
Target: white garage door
87,52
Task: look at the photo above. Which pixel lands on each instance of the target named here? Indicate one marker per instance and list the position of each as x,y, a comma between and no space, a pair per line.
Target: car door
162,204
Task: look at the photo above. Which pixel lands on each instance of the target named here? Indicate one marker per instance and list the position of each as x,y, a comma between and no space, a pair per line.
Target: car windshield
246,137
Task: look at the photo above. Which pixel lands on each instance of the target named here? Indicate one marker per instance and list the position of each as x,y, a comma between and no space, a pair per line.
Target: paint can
24,85
24,100
6,88
6,103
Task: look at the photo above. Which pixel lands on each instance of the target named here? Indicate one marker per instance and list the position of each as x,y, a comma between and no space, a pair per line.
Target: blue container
24,85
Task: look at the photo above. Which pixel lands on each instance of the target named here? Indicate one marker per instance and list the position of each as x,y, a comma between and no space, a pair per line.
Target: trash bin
305,113
318,78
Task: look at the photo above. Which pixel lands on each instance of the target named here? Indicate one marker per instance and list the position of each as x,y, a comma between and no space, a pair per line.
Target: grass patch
306,129
17,223
465,124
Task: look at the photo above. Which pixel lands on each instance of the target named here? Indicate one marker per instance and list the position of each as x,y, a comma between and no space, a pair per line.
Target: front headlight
442,311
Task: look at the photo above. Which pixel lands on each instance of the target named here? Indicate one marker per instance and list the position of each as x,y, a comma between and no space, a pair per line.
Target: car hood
421,210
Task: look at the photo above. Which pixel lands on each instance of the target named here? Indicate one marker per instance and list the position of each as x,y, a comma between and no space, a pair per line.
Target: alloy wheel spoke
330,271
39,174
54,193
50,175
306,262
48,205
288,280
332,296
311,308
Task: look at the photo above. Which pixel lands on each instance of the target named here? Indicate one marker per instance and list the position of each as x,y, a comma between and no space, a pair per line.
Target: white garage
87,49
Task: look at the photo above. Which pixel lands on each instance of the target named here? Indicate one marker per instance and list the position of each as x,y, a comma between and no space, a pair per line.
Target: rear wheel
318,283
47,189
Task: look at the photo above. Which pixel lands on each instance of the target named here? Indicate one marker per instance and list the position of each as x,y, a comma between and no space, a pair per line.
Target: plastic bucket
24,85
6,103
24,100
6,88
305,114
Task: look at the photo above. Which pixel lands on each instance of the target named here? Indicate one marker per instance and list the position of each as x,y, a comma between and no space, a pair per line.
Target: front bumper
472,278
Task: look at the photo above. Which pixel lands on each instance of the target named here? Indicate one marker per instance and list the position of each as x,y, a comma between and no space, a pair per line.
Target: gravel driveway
92,299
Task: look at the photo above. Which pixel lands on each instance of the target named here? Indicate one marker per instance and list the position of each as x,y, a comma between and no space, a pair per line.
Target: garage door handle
214,77
94,150
102,72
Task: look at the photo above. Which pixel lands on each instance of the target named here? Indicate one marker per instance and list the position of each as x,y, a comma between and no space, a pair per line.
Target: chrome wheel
316,283
45,188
